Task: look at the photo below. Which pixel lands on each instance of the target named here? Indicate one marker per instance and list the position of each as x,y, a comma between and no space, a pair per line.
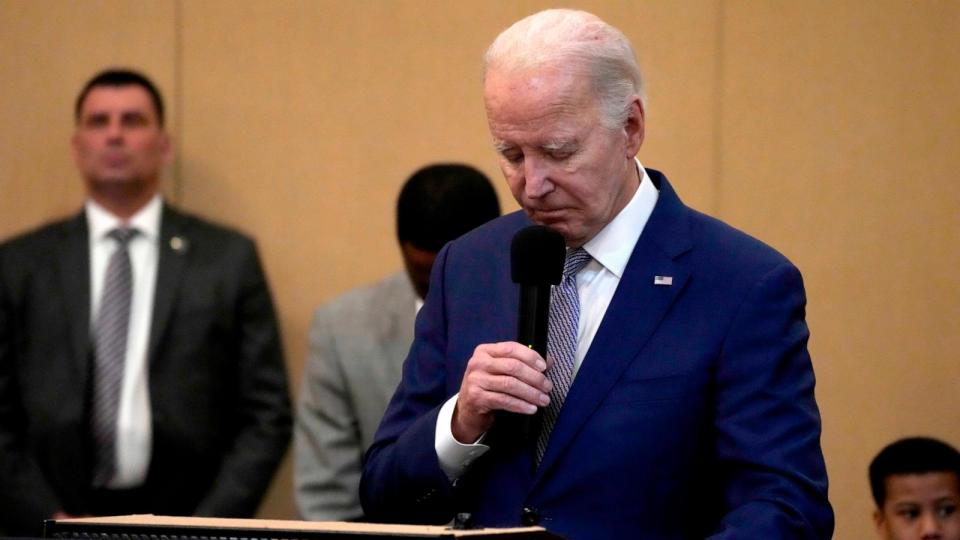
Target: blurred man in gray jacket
359,340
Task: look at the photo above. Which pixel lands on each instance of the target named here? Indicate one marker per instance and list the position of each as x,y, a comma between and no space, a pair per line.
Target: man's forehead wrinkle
556,120
554,139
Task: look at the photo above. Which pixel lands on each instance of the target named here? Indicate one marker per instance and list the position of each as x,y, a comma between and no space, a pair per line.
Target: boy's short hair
913,455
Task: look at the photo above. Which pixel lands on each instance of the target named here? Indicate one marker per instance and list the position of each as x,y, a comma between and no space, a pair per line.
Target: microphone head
536,256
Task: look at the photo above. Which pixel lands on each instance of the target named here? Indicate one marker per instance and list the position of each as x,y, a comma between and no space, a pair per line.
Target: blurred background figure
916,486
359,340
141,369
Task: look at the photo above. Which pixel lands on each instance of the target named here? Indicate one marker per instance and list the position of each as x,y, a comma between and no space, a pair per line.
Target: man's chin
558,225
117,184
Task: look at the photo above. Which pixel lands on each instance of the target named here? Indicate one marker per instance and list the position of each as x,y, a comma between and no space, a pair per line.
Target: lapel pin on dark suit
663,280
179,244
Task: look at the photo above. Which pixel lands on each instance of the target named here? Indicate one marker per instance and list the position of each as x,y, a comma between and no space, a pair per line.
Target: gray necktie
110,351
562,341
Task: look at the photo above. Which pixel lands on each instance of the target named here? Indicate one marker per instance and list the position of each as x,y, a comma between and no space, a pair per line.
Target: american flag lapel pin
663,280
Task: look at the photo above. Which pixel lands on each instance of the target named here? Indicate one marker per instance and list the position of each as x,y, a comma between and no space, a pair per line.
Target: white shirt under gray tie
134,431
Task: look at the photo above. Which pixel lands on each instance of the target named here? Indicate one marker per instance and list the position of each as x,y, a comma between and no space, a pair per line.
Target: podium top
151,527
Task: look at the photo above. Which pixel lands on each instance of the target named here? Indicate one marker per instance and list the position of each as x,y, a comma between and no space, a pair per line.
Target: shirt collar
147,220
612,246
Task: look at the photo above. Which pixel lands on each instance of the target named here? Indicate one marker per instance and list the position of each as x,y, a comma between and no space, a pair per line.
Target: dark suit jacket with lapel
218,390
693,413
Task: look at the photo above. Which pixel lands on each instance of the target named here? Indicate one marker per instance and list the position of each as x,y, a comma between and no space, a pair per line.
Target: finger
502,394
514,388
516,350
510,367
514,368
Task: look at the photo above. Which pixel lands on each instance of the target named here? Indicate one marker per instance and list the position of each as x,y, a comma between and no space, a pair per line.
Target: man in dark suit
677,396
140,362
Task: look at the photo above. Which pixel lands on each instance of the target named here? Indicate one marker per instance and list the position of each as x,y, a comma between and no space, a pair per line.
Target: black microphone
536,263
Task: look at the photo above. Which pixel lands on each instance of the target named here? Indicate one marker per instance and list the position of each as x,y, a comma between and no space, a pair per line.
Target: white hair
579,39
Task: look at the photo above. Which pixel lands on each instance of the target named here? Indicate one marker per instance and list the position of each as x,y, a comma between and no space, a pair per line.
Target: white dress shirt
596,284
134,430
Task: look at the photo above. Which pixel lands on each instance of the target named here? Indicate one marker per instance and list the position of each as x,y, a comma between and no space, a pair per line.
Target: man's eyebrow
554,146
94,116
502,146
134,114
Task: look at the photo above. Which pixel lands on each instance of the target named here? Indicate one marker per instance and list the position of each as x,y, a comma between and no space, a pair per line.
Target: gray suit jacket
358,342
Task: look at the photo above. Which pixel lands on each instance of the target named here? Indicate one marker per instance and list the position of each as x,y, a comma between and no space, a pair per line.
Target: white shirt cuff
455,457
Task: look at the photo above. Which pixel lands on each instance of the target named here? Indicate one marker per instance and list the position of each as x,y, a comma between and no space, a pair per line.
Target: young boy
916,485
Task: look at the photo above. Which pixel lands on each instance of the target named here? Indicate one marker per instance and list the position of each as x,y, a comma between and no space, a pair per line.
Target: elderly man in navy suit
140,361
677,396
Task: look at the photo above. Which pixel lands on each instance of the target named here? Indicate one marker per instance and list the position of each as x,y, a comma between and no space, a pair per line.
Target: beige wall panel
49,49
302,119
839,146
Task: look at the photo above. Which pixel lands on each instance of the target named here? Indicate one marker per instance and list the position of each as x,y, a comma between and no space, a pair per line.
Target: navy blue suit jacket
692,415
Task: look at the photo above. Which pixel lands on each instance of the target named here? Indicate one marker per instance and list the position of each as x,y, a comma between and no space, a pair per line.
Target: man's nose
536,178
929,526
114,131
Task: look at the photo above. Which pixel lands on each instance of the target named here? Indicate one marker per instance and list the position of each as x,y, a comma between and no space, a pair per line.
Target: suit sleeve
402,479
767,423
264,428
26,497
327,447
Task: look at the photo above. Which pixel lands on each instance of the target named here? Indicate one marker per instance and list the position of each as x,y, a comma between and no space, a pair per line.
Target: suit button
530,516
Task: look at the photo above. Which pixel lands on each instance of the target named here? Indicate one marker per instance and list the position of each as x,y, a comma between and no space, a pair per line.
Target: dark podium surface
149,527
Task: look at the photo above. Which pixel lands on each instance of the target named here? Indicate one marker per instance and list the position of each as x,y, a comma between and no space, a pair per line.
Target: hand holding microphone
509,376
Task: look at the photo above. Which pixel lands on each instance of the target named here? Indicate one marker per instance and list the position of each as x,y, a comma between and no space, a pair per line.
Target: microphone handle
532,321
533,317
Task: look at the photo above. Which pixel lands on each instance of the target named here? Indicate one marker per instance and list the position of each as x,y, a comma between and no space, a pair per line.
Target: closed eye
560,151
512,155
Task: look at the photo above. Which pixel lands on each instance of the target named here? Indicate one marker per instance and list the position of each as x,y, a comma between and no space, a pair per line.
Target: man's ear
167,148
634,127
879,521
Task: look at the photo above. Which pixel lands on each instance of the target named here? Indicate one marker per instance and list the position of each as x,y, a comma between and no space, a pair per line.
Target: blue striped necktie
109,353
562,341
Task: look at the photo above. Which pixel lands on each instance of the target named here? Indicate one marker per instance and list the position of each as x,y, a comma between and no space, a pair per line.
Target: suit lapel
173,250
639,304
73,267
